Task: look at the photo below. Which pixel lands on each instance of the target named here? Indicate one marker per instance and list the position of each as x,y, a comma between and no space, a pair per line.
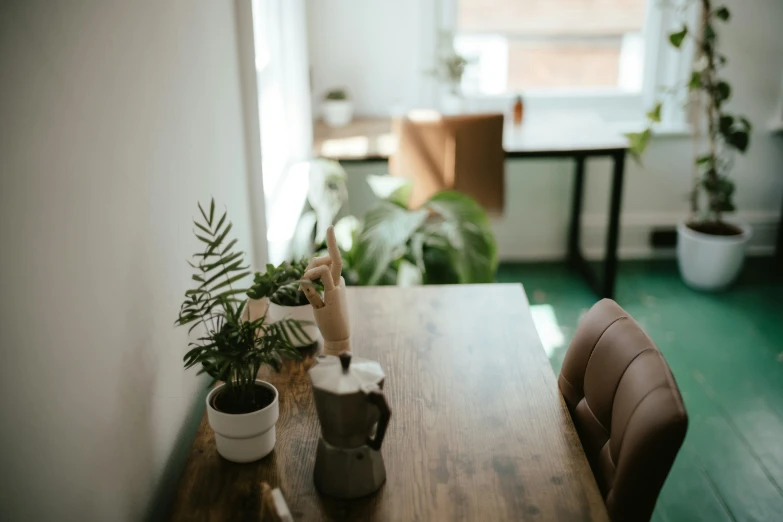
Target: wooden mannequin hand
331,312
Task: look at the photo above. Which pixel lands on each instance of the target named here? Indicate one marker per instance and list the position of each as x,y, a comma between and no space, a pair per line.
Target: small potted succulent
231,349
337,108
449,70
710,249
288,306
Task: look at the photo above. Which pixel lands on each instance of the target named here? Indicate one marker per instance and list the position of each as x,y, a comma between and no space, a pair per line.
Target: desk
479,430
577,135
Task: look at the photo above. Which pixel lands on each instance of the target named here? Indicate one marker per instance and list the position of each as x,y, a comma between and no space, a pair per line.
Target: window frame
664,67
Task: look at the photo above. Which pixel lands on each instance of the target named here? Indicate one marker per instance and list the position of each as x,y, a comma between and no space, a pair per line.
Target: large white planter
244,437
709,262
277,313
337,113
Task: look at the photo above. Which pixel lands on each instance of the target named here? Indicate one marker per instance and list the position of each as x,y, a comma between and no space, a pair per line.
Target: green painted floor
726,352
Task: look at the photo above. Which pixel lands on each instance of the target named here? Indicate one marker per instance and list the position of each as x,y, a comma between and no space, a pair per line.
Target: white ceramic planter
337,113
709,262
276,313
245,437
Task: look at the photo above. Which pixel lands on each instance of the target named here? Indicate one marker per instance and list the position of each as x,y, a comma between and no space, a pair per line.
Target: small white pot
709,262
337,113
276,313
244,437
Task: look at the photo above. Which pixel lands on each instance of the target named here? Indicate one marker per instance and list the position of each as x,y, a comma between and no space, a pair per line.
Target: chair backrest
626,408
463,153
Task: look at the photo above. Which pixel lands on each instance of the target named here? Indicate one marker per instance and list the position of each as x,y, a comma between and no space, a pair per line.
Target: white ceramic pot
337,113
276,313
709,262
244,437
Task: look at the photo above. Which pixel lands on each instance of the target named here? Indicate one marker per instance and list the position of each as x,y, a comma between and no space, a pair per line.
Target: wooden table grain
479,431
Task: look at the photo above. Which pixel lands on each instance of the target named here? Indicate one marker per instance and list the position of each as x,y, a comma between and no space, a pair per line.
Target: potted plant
447,240
337,108
242,410
449,70
288,306
710,249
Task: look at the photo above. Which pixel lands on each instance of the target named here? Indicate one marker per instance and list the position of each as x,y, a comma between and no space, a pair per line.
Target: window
608,56
514,45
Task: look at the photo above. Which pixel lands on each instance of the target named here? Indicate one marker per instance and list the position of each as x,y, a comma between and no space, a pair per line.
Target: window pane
550,44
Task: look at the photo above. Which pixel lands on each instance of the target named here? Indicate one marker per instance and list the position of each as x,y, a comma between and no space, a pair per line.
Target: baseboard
634,238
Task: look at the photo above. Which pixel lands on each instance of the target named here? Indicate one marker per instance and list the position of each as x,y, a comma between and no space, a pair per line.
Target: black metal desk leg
779,247
610,263
574,249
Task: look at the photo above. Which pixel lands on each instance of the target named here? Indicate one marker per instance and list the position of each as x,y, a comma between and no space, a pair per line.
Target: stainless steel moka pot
354,415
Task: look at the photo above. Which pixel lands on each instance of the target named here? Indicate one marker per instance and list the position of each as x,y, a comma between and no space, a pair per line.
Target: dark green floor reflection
726,352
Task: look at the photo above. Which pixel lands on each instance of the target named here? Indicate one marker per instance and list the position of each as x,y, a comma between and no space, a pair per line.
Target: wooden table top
479,430
542,133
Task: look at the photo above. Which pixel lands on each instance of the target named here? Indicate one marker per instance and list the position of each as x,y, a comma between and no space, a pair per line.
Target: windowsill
672,130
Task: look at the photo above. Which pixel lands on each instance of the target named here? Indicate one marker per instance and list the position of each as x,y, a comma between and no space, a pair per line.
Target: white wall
376,51
117,117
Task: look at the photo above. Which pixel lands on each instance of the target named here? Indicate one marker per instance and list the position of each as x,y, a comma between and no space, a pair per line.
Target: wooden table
479,431
576,135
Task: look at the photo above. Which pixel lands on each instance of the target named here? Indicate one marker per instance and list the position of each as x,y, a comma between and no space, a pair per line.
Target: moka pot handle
375,396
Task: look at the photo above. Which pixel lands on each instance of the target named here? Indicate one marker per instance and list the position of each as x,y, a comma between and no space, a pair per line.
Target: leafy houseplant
710,250
447,240
231,348
288,306
337,108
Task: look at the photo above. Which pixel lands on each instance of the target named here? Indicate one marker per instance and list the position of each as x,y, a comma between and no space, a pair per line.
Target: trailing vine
727,133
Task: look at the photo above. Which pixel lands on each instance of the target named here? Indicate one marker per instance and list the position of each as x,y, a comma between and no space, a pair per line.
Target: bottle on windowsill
519,110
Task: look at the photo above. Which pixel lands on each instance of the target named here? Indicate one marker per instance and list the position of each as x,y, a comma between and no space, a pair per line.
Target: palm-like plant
232,348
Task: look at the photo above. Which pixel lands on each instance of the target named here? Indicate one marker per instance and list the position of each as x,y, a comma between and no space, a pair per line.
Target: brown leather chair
462,153
626,408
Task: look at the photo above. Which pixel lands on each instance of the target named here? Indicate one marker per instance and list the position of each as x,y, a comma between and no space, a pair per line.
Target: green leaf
219,240
231,281
725,123
709,33
638,143
695,81
677,37
746,123
739,140
228,247
465,226
233,267
203,239
202,227
211,211
221,221
655,114
387,228
722,92
203,214
345,232
701,160
722,13
223,261
391,188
